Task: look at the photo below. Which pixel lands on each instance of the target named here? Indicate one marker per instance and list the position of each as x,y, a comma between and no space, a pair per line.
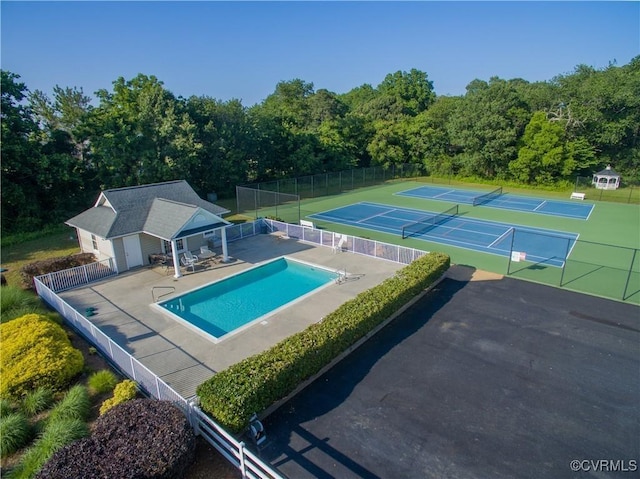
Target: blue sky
241,50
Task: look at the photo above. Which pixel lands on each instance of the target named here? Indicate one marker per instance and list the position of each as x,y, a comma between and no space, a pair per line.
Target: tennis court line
450,229
499,238
540,205
466,226
575,242
504,201
376,215
438,196
590,211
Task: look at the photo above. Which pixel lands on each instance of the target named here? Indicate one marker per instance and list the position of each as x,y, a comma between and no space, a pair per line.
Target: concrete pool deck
125,309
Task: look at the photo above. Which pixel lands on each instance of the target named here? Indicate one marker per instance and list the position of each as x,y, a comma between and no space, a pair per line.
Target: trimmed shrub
142,438
51,265
36,401
36,352
75,405
124,391
56,435
15,432
252,385
102,381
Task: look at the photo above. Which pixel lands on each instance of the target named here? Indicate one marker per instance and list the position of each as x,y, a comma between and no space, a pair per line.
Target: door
132,251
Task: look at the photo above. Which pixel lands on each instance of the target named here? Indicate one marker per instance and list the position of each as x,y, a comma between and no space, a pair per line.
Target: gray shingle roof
137,209
98,220
608,171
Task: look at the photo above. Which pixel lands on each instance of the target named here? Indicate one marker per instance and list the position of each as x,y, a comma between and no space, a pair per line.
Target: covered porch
182,235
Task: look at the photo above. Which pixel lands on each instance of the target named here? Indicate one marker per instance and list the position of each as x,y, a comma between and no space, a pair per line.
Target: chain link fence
281,198
629,192
594,268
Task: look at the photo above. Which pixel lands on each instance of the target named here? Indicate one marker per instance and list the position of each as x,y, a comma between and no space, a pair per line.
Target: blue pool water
229,304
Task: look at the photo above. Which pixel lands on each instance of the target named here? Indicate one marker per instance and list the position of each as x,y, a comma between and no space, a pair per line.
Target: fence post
564,263
513,236
193,416
133,371
626,285
242,467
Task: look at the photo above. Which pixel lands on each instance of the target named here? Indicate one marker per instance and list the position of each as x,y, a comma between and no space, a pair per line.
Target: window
94,242
179,245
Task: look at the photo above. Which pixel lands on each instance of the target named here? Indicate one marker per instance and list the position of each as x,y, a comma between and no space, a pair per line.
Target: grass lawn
14,256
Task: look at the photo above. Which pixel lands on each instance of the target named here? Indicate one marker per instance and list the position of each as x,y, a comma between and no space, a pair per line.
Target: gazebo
606,179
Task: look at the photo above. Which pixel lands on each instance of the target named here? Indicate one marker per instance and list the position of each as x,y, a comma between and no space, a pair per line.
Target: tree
140,134
20,158
547,155
289,103
487,126
228,142
412,91
605,107
69,178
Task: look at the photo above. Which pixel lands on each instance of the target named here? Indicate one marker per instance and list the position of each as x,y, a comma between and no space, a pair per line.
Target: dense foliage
15,432
50,265
55,436
254,384
15,302
59,152
102,381
36,352
124,391
141,439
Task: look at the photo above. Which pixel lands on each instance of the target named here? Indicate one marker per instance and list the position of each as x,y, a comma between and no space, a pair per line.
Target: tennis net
416,228
482,199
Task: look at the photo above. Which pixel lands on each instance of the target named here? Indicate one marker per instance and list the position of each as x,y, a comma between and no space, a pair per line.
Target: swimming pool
231,304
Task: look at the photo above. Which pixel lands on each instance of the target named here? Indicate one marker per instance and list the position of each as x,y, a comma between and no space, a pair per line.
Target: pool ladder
163,294
342,276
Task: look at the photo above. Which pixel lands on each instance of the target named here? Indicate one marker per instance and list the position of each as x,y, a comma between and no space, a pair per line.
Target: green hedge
255,383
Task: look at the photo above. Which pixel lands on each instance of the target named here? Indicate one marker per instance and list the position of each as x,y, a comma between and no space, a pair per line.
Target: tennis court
543,246
496,199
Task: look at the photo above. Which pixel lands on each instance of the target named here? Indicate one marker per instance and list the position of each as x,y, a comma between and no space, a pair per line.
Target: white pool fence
232,449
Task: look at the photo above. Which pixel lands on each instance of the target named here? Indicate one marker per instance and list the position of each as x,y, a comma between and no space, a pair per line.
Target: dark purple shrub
138,439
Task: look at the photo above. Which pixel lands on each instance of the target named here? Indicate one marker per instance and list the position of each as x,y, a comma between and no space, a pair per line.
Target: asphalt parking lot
483,379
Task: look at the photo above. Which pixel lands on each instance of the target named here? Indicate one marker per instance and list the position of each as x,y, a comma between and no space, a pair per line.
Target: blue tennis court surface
505,201
532,244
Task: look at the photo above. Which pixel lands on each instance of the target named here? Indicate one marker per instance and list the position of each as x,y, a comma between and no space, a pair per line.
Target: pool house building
133,225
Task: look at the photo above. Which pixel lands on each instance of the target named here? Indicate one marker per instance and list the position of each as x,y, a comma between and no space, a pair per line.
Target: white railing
233,450
73,277
341,242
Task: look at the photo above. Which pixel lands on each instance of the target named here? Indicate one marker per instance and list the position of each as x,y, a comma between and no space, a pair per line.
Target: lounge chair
189,262
191,257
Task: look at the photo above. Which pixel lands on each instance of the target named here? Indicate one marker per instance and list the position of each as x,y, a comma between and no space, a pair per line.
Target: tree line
59,150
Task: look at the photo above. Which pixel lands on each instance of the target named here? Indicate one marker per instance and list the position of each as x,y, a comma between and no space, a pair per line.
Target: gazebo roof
608,171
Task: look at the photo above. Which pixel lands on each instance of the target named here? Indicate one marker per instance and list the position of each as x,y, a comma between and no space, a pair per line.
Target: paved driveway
482,379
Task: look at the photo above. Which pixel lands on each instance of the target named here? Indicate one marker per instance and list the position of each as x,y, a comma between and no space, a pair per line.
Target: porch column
176,259
225,251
